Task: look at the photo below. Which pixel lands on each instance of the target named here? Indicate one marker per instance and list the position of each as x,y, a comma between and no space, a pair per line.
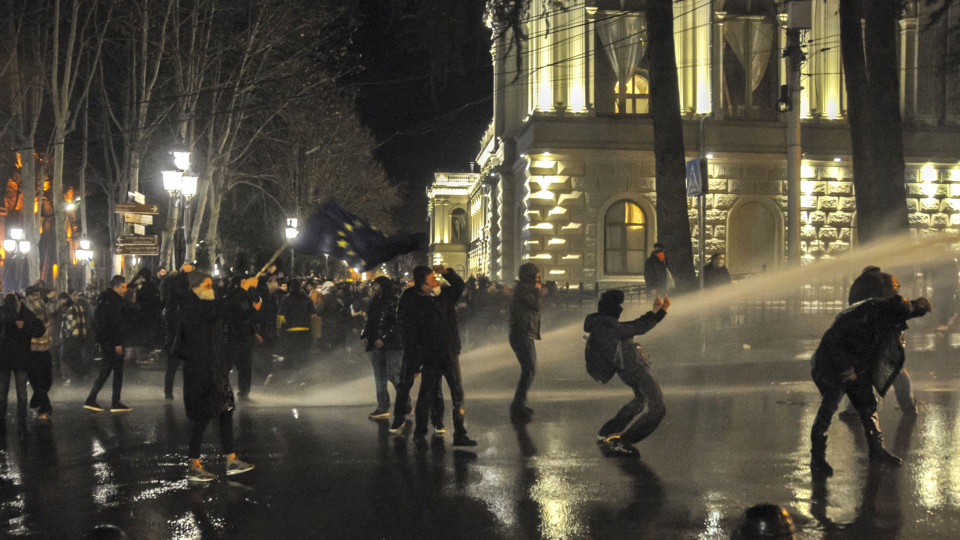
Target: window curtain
624,39
752,42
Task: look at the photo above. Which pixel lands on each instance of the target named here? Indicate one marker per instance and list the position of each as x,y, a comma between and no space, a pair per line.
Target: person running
647,407
110,323
861,351
524,329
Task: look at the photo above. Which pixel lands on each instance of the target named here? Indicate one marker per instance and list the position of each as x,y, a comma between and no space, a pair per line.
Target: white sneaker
199,474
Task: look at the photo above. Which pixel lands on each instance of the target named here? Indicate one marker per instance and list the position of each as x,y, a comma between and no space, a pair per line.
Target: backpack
603,354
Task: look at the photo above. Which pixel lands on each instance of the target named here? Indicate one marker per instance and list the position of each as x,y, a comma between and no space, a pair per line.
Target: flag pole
274,258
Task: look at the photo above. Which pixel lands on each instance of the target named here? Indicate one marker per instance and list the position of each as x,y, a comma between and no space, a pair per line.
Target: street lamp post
290,232
16,247
181,185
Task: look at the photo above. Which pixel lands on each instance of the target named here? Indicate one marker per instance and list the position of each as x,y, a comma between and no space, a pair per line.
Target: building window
635,97
458,226
624,239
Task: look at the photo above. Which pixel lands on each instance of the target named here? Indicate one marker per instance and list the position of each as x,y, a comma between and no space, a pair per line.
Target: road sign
132,239
135,208
137,197
696,177
142,219
125,249
139,229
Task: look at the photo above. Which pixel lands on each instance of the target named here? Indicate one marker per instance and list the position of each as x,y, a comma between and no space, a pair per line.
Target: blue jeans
386,367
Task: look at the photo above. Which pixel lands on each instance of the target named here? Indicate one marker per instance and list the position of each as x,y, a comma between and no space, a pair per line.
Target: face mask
207,294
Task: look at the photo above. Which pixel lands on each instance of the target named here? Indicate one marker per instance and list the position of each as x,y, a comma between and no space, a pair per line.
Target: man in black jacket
241,327
524,329
431,339
110,324
381,338
294,316
631,365
860,352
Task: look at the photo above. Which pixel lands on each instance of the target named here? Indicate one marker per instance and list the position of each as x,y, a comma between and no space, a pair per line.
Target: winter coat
428,324
381,322
206,383
525,305
111,317
145,330
173,290
296,308
715,275
866,338
242,322
41,310
631,360
655,273
15,343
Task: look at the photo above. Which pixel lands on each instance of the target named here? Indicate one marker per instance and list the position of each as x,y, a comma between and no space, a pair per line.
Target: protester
41,362
242,330
381,338
860,352
18,326
207,394
293,319
634,370
170,324
430,336
655,272
716,273
524,329
110,324
73,332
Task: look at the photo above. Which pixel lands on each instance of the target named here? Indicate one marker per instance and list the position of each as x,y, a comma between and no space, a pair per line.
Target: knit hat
609,304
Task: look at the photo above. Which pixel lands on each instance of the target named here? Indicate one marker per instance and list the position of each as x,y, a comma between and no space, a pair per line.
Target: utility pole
799,17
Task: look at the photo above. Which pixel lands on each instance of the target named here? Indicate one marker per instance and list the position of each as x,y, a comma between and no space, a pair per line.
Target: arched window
624,239
635,97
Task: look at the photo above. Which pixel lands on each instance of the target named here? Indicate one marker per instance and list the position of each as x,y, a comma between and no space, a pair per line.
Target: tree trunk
59,220
887,126
31,224
211,240
673,223
858,115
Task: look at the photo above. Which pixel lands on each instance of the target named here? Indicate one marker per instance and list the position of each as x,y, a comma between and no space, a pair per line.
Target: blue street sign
696,177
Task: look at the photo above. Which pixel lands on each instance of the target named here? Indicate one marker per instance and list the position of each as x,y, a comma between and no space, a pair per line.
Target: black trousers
197,427
173,362
112,363
41,379
430,393
242,356
402,401
861,396
20,380
526,352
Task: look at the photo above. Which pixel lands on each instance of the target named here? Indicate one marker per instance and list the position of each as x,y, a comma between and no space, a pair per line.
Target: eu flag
332,230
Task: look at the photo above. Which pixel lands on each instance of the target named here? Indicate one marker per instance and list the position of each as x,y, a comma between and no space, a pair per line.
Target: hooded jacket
525,305
866,338
614,330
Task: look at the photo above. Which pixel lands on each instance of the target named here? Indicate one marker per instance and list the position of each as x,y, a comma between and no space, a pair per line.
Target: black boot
818,457
879,454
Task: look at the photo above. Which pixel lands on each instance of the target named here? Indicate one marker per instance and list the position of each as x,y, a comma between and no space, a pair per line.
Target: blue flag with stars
332,230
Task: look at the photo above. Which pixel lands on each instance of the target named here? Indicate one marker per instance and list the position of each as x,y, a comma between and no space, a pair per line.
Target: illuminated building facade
567,164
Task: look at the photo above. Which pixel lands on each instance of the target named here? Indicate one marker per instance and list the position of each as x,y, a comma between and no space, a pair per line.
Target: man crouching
861,351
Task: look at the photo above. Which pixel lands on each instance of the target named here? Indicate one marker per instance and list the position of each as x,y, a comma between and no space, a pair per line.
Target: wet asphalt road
736,434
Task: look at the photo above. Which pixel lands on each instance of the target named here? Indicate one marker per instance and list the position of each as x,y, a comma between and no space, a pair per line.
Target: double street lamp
15,247
181,185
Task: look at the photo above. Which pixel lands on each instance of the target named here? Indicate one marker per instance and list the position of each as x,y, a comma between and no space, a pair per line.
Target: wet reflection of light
98,449
933,483
185,528
712,527
554,492
105,492
296,414
161,489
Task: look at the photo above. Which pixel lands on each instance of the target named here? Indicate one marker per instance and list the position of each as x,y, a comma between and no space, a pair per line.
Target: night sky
425,89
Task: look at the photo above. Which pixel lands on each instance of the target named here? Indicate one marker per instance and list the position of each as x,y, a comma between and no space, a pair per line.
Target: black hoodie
525,306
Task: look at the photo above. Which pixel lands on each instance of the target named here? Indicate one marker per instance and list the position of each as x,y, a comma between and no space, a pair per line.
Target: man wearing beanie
634,370
860,352
524,328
